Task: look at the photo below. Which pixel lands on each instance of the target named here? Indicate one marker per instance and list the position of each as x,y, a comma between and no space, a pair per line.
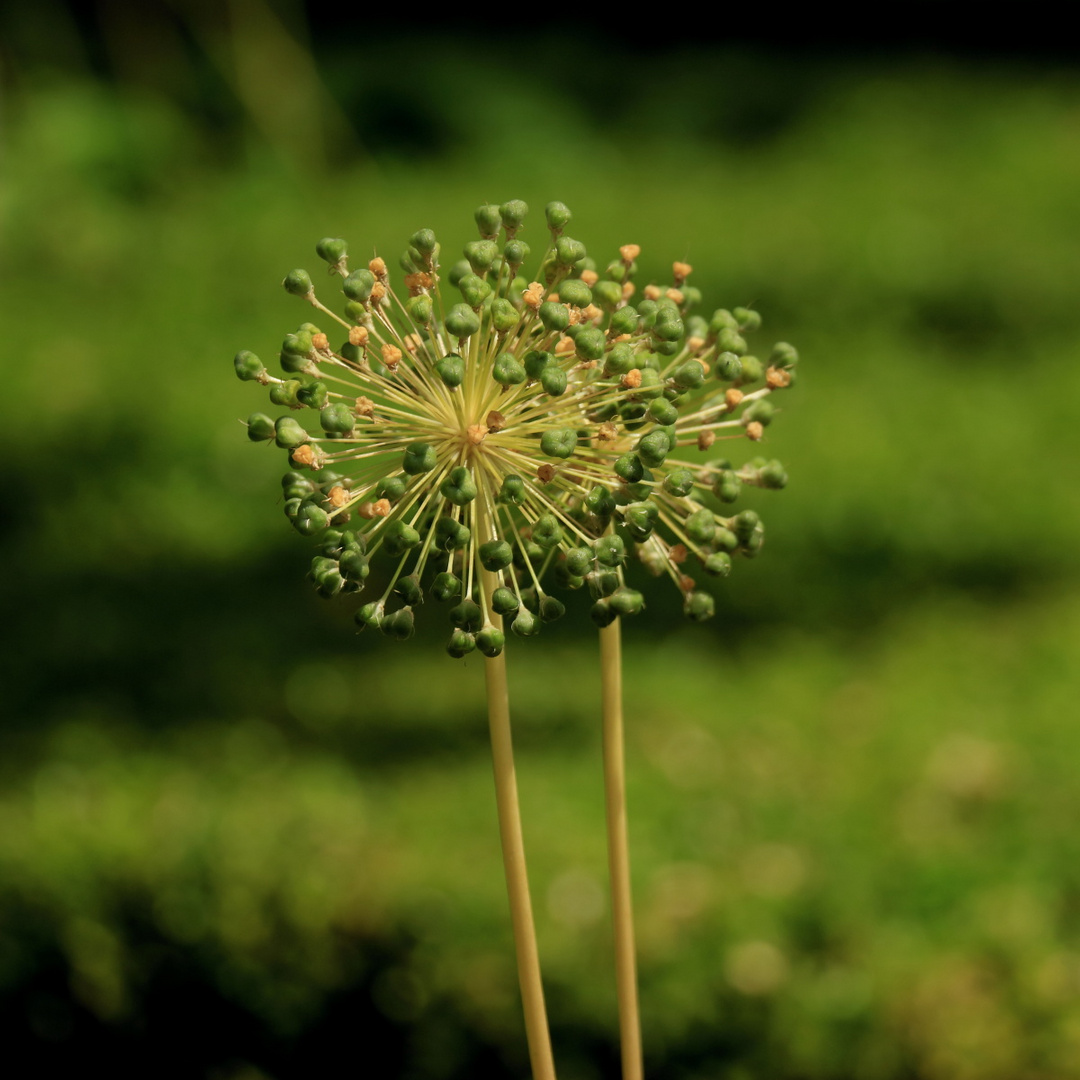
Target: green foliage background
852,797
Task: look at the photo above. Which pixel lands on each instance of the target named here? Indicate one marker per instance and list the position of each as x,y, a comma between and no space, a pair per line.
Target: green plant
535,435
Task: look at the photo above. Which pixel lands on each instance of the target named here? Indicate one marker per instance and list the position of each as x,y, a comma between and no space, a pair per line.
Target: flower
531,435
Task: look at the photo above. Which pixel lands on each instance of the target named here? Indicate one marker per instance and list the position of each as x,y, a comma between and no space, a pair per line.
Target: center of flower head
537,431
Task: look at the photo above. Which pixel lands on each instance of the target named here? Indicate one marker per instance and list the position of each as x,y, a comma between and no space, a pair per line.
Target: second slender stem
619,850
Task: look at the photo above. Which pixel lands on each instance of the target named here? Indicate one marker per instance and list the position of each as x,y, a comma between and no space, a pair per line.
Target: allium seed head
496,436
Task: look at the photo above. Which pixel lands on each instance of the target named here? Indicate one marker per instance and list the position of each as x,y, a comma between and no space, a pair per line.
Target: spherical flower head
496,438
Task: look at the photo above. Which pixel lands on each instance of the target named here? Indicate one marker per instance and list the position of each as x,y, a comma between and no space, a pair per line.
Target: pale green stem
619,850
513,849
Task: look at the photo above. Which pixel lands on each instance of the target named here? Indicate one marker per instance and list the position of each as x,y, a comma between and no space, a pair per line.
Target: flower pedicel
547,431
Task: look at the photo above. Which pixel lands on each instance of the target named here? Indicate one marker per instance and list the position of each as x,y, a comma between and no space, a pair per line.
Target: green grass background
852,797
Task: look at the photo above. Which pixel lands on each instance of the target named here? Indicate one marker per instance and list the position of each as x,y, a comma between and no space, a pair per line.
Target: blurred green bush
851,799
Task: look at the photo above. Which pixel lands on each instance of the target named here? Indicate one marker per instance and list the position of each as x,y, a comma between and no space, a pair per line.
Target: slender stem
513,849
619,850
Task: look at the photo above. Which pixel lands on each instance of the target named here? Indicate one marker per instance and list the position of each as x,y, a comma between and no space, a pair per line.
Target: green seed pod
310,519
424,241
747,318
555,316
691,299
652,386
504,601
355,565
728,367
626,601
729,340
399,624
620,360
332,250
547,532
292,507
652,449
558,216
773,475
667,348
504,316
602,613
288,433
462,321
751,546
293,479
751,371
507,371
399,538
727,486
458,271
589,343
355,312
512,490
459,487
490,641
451,369
474,290
568,252
390,487
679,482
358,285
744,524
408,588
610,550
525,623
419,457
419,309
286,393
699,606
461,643
762,411
668,326
579,561
481,254
467,616
337,418
451,535
248,366
600,502
488,219
513,214
576,293
314,395
553,380
630,468
640,520
260,428
607,294
496,555
369,615
624,321
722,319
535,362
700,526
298,282
551,609
602,583
662,411
445,586
515,252
783,355
559,443
689,376
298,344
718,564
724,539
